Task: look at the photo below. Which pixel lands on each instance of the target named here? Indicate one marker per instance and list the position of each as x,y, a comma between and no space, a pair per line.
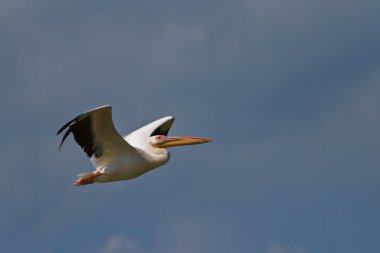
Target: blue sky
288,90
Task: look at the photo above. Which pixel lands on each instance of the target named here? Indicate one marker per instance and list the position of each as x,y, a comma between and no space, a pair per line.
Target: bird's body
128,165
116,158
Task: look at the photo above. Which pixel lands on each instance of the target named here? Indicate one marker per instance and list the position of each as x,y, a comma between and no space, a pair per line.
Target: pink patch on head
160,137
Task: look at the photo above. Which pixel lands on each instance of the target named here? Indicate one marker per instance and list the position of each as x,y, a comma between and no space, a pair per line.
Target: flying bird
118,158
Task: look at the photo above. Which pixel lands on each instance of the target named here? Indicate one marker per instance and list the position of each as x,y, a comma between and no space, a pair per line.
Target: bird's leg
87,178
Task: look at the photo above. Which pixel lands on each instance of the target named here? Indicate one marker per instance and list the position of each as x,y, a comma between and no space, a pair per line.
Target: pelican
116,158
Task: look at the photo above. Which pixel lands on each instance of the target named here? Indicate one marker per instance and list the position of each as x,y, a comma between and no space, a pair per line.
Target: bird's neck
157,156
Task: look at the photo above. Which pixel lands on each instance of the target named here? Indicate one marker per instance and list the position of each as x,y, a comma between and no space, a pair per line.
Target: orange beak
171,141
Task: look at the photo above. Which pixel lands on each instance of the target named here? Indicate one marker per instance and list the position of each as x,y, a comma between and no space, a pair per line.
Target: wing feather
96,134
139,137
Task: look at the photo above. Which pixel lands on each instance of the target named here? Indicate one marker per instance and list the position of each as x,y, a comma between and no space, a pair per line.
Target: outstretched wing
96,135
139,137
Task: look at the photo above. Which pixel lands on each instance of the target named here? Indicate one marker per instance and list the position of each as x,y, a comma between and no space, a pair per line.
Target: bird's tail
85,178
85,175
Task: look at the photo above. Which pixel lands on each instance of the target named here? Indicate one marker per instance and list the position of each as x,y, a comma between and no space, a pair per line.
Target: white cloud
120,244
196,234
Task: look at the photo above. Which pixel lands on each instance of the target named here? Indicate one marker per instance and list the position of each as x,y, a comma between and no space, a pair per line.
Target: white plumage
116,158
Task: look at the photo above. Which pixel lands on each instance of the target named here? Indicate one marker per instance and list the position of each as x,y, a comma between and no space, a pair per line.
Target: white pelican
116,158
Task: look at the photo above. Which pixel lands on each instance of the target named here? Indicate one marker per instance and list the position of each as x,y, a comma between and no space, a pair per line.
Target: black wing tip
72,122
64,136
77,118
67,125
164,128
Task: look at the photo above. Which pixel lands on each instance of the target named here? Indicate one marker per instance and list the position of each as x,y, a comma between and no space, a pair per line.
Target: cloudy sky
288,90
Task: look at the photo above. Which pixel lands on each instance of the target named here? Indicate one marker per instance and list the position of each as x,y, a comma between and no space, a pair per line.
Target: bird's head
163,141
